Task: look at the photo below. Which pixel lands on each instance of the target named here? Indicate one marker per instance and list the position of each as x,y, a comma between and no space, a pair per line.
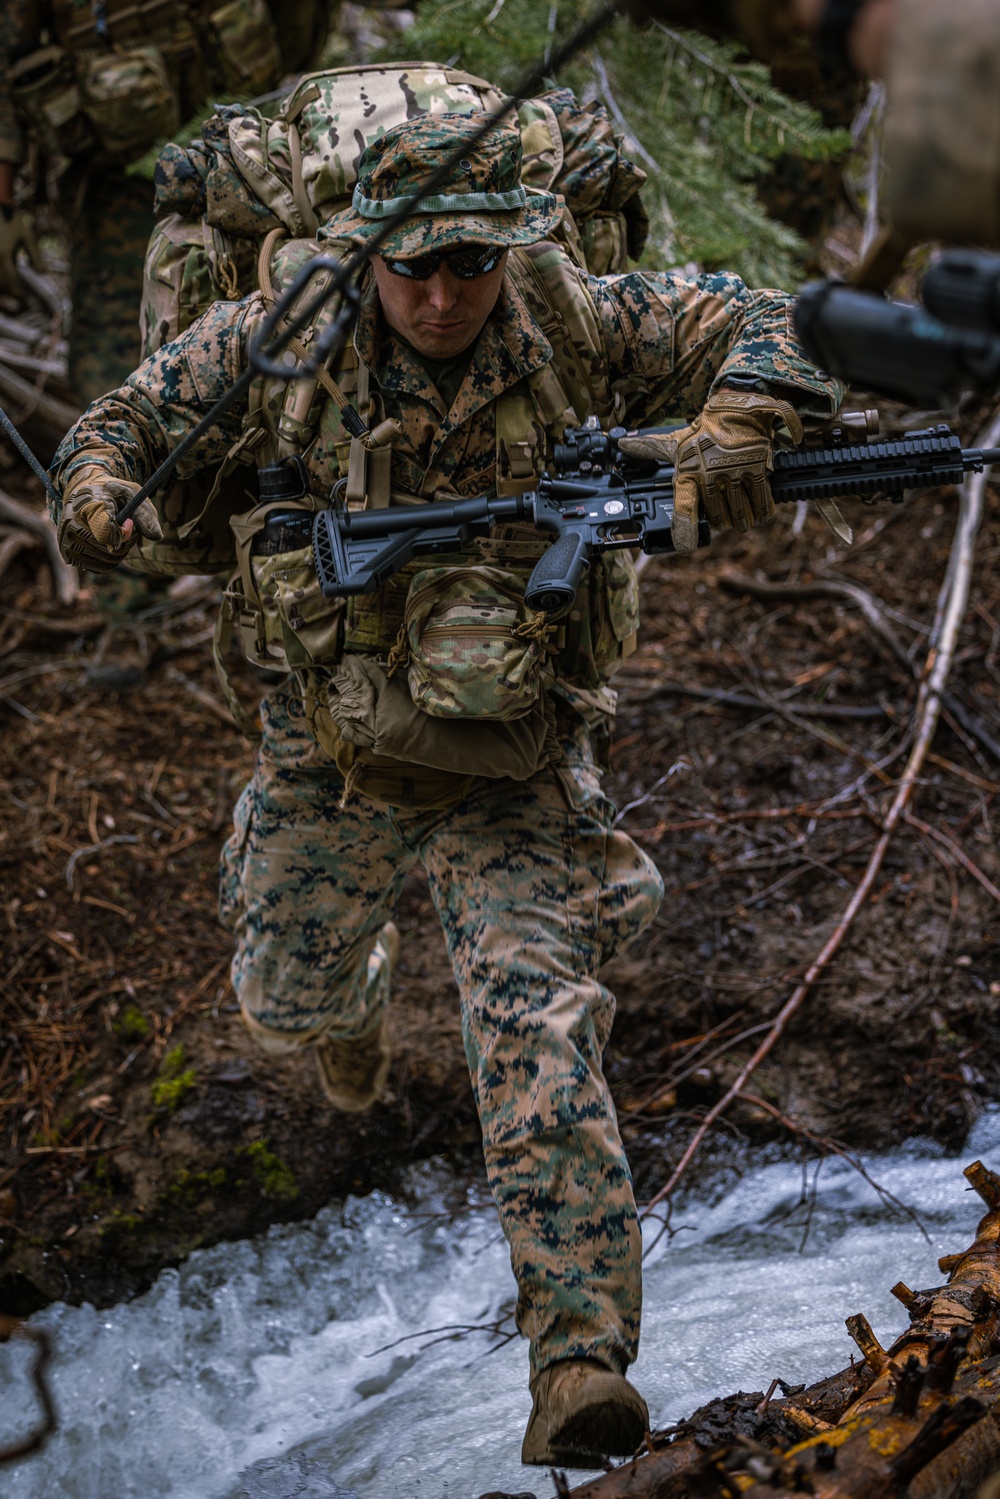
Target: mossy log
920,1418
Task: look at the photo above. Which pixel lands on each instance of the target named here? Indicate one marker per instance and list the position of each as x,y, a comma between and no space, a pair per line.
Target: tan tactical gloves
15,233
722,460
89,535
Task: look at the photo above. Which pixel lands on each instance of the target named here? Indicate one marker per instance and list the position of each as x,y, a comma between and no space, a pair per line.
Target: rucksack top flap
263,158
334,115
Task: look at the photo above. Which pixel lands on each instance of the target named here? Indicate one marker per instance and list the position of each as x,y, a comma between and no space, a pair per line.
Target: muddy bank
137,1121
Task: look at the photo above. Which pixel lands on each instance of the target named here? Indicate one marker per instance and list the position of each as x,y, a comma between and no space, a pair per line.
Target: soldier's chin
441,340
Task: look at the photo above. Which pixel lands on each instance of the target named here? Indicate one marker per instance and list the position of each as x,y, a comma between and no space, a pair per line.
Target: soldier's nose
442,289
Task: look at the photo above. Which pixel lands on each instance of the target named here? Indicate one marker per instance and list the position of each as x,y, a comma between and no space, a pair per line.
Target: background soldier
534,886
100,85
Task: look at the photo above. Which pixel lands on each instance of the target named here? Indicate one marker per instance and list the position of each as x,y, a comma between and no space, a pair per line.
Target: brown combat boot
582,1413
353,1071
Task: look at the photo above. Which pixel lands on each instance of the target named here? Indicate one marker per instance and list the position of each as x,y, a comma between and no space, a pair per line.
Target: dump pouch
390,751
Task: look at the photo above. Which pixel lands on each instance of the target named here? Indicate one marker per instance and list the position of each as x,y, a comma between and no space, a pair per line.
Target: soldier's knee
631,894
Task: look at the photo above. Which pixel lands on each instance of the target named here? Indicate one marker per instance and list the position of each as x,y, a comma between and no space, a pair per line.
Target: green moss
170,1092
175,1081
173,1062
192,1186
118,1226
132,1024
270,1172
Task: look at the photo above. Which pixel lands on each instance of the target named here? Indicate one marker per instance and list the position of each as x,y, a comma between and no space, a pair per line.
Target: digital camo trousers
534,890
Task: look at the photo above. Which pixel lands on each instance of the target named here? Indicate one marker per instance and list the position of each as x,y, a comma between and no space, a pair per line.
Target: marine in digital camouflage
533,886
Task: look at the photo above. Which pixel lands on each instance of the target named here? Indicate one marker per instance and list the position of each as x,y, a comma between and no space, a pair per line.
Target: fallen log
921,1417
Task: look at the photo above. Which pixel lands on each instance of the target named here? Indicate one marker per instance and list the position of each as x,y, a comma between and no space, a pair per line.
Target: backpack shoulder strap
571,386
558,296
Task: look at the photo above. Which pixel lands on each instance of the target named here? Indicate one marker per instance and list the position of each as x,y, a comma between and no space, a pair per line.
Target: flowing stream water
287,1365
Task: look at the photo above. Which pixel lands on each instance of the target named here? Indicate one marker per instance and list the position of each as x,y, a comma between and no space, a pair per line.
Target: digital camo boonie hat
482,201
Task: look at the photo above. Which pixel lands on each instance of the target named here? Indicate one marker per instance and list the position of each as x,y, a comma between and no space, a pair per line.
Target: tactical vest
274,603
247,177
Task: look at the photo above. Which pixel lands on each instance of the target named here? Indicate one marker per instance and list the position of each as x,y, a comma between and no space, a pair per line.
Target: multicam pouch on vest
45,92
602,623
472,647
247,58
285,620
128,97
391,751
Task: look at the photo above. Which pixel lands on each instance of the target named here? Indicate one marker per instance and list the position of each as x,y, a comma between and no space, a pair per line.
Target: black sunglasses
477,260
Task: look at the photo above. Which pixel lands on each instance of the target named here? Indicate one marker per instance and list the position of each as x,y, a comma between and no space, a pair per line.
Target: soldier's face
443,315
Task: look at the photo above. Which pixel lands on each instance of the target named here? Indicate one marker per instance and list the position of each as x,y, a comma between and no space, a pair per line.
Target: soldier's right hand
90,536
16,233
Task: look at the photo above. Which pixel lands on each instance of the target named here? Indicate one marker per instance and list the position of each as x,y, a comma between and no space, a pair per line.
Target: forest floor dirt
757,745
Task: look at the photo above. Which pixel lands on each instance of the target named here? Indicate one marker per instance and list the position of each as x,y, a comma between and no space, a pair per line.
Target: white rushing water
275,1368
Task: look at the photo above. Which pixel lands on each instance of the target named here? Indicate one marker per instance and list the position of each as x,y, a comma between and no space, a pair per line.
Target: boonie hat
482,201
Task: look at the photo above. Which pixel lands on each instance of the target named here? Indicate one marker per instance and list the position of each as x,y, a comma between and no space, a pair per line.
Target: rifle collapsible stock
596,499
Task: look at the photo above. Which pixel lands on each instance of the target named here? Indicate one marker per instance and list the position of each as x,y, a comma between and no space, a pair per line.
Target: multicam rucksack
218,198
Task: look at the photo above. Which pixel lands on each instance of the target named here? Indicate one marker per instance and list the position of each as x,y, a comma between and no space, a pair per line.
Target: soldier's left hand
90,536
721,461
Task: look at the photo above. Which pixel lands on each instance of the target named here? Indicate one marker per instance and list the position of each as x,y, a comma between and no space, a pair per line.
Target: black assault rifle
596,498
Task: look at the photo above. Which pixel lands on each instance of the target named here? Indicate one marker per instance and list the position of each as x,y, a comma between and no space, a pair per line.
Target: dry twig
22,516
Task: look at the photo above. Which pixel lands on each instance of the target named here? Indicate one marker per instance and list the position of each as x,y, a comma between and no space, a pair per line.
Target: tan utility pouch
128,97
472,647
247,58
46,96
284,619
391,751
